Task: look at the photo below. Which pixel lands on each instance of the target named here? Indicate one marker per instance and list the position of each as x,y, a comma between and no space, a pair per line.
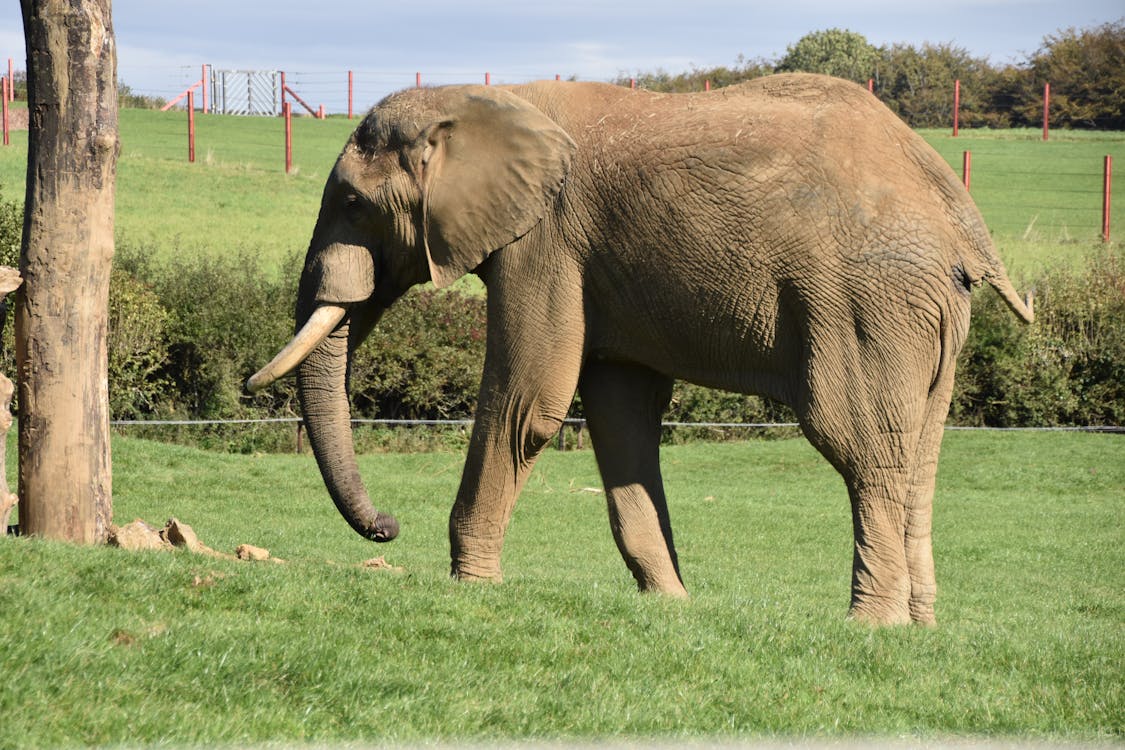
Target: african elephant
788,237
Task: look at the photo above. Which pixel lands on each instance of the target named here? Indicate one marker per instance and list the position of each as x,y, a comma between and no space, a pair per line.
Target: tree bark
62,310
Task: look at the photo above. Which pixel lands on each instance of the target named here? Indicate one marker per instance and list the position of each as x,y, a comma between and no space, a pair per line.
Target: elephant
788,237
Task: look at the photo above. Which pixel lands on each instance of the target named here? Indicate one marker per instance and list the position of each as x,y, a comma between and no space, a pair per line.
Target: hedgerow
1068,368
185,334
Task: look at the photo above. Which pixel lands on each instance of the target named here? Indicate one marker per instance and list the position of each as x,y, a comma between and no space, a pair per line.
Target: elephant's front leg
624,405
530,375
509,433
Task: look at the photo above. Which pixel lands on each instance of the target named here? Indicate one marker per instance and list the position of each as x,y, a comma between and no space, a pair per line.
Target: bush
423,360
227,316
1068,368
137,349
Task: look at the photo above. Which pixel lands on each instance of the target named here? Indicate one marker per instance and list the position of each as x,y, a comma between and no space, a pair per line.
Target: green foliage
917,84
227,317
127,98
697,78
1086,70
11,232
100,647
137,348
1067,368
694,403
424,359
835,52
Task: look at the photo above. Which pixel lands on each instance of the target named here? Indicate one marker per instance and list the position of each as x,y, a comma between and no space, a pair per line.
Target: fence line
579,426
1070,209
575,422
1078,201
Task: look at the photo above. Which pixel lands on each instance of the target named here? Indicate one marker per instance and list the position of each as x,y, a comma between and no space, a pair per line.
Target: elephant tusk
321,323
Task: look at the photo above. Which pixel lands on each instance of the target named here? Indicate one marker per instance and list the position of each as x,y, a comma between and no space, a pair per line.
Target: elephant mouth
321,323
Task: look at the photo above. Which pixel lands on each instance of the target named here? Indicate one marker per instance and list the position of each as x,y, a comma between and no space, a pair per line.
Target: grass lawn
1042,200
101,646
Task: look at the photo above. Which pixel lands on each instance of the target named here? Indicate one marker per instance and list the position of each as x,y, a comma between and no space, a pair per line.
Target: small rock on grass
250,552
380,563
139,535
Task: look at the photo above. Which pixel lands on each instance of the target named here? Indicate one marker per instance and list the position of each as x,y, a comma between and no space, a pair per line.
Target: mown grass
99,646
1041,200
235,197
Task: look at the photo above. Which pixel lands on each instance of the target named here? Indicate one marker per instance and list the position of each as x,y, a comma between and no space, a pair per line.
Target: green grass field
99,646
1042,200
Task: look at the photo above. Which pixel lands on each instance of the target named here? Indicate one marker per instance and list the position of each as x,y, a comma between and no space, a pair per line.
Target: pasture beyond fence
1076,204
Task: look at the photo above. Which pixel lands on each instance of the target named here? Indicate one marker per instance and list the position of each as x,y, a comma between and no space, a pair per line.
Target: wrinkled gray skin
788,237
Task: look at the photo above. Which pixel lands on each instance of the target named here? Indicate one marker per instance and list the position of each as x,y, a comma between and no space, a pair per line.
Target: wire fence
1056,191
572,434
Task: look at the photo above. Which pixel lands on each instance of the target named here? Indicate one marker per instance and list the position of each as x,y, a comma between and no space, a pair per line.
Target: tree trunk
62,310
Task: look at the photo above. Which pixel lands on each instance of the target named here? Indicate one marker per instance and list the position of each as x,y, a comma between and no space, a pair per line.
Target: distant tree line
126,97
1085,67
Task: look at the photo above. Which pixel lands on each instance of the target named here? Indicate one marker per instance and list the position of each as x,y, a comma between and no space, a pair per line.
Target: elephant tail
985,264
1024,306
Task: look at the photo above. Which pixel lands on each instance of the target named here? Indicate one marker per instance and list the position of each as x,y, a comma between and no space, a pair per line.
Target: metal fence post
1107,188
191,127
1046,108
7,89
287,114
957,108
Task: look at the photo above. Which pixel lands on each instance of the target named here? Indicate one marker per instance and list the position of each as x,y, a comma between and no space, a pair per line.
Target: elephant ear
490,169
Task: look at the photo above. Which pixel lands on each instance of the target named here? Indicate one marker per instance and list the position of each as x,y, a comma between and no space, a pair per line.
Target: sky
162,43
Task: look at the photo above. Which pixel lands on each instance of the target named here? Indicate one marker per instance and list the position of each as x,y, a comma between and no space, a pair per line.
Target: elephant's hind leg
868,424
624,405
920,500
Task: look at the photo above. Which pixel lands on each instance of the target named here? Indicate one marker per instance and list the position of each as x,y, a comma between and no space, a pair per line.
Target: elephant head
428,186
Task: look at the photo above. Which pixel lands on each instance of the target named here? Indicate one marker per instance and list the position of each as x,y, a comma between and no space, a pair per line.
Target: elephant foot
879,611
480,571
673,589
922,613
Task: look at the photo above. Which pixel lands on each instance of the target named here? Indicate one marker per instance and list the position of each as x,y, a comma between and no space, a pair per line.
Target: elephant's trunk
323,391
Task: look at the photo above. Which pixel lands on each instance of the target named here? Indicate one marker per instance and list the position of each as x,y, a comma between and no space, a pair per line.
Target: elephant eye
353,206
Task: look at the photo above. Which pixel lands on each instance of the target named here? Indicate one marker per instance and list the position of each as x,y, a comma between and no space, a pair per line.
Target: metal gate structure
246,92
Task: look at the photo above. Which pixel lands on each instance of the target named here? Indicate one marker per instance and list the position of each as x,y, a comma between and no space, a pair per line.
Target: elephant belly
717,334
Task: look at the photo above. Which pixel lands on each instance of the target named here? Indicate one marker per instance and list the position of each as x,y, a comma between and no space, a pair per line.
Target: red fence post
418,80
956,106
1046,108
351,90
7,90
707,85
287,113
871,85
191,127
203,82
487,79
967,168
632,83
1107,188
